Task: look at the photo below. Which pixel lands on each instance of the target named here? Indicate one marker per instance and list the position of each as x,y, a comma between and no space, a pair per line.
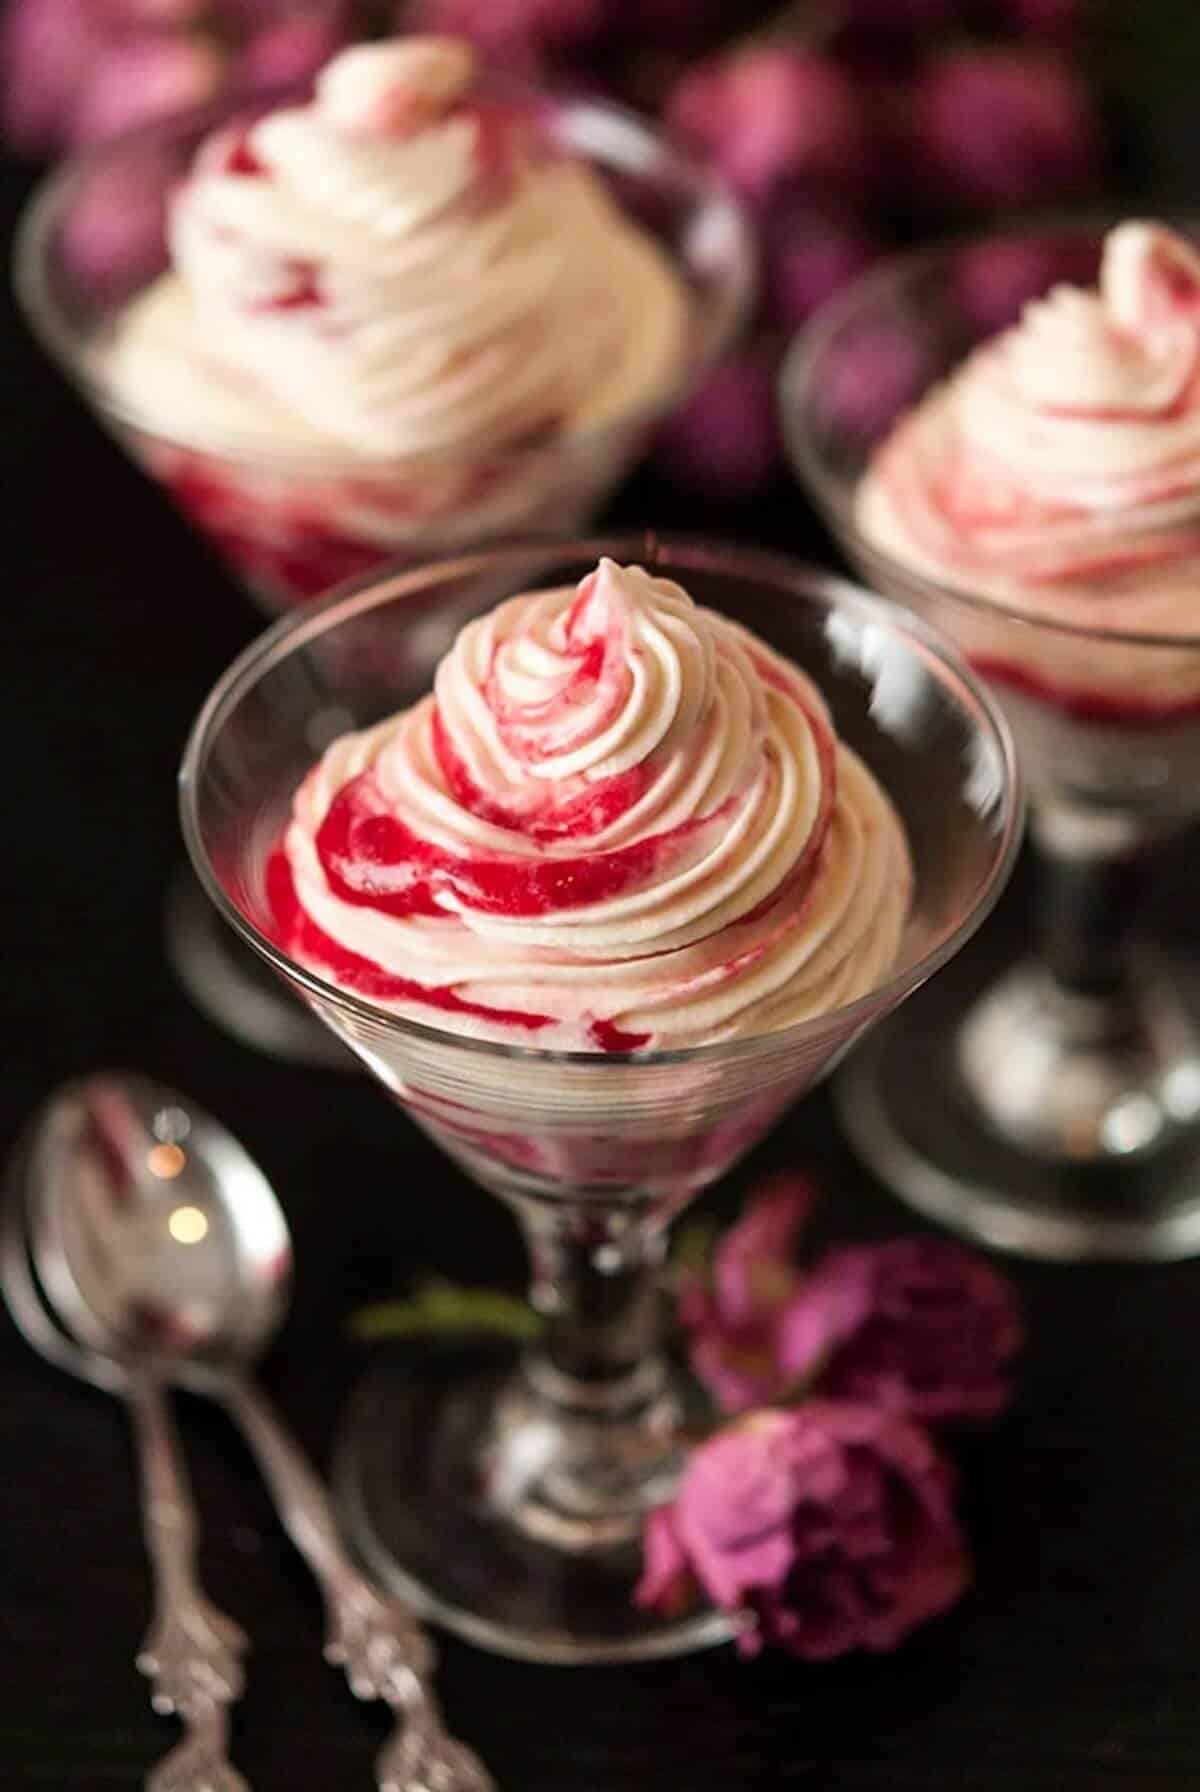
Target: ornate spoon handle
192,1652
384,1650
200,1762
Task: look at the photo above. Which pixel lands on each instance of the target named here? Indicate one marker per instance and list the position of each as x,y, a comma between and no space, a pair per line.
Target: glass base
230,984
905,1106
410,1488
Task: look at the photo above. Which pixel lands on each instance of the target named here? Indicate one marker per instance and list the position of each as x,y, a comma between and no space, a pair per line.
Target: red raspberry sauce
1082,705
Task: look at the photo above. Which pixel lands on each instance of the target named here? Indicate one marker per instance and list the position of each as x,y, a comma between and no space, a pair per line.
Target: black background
1075,1661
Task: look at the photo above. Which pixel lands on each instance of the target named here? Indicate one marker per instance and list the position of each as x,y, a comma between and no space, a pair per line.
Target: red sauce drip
359,838
611,1038
295,931
1083,705
241,159
301,293
588,809
600,678
506,138
267,541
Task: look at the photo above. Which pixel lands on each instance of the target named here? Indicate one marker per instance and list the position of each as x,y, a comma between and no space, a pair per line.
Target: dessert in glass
412,309
598,855
409,311
1035,494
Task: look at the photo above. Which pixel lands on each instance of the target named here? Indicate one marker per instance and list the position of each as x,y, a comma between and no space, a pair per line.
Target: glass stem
587,1437
595,1283
1088,908
1087,1056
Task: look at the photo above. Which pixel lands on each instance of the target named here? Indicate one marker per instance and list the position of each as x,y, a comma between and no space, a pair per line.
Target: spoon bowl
154,1235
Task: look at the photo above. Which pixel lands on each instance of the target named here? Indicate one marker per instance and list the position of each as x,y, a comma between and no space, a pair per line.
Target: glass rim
359,596
797,374
65,345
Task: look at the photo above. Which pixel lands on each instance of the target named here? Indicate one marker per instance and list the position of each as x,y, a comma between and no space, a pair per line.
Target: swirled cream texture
1059,470
619,822
400,268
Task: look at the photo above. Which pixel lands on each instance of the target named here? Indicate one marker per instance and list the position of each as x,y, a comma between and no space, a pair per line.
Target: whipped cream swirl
1059,468
620,821
402,267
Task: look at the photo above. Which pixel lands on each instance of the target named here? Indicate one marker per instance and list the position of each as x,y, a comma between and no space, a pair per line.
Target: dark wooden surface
1074,1662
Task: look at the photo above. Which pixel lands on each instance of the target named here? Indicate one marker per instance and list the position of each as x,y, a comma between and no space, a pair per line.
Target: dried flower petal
723,440
917,1325
773,115
832,1527
1004,127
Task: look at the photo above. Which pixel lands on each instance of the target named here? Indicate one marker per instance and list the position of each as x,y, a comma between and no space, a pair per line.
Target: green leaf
437,1308
693,1247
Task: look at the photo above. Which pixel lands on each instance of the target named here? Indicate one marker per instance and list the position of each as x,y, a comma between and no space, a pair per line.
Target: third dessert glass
509,1499
1041,509
413,311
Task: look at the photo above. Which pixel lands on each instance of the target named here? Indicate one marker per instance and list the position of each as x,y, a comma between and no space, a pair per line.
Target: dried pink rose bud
871,374
732,1320
1004,126
915,1325
290,50
113,237
995,280
47,51
827,1528
809,257
773,115
723,439
148,78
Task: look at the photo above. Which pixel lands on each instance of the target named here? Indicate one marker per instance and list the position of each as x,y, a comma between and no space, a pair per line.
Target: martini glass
508,1499
289,523
1059,1111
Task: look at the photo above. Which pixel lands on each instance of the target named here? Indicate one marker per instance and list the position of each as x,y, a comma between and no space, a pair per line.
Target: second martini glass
1059,1112
509,1501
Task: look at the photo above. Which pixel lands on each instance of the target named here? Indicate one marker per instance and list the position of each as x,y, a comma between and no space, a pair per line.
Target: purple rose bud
723,440
754,1268
916,1325
113,237
996,280
772,115
732,1321
733,1318
871,374
47,49
1004,127
151,77
809,257
290,50
827,1528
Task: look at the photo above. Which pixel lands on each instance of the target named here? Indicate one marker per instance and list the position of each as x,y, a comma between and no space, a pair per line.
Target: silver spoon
192,1652
191,1274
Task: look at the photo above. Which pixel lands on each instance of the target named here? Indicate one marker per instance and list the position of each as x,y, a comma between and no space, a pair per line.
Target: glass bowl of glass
508,1498
291,524
1058,1111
